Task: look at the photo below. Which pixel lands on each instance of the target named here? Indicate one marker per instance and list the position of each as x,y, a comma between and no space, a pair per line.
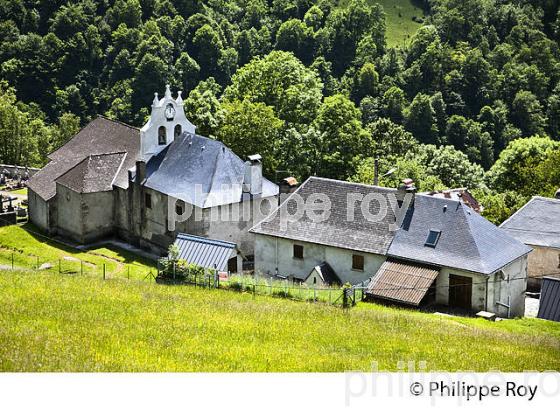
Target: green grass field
29,249
400,26
53,322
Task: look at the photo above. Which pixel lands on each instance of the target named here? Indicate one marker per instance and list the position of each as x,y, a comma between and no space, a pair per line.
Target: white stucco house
418,249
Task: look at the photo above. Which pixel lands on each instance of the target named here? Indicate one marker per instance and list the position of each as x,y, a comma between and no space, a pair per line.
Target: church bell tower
167,121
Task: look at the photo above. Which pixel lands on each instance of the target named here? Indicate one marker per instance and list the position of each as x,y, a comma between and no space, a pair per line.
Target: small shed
209,253
323,274
549,307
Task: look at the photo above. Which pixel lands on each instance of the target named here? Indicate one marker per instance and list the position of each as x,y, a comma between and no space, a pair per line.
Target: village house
146,185
537,224
427,250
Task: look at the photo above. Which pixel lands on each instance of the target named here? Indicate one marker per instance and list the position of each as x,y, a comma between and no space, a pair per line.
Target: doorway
460,291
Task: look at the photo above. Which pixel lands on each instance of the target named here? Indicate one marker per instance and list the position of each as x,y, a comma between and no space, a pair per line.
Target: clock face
169,112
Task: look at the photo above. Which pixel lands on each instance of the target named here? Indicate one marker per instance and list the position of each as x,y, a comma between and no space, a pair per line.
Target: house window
298,252
178,130
314,281
357,262
433,238
148,201
179,209
162,135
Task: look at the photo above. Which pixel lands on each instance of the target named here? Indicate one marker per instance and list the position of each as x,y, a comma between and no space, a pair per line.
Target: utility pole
376,171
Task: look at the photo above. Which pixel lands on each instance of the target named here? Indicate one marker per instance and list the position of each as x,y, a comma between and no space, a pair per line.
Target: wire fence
109,269
344,297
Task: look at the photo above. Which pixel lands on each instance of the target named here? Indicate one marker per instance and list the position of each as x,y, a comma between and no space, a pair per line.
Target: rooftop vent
433,238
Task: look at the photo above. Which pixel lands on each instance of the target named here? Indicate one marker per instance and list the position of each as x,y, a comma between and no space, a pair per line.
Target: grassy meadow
399,14
53,322
30,250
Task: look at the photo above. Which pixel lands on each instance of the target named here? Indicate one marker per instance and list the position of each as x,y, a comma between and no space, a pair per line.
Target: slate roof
100,136
95,173
192,160
467,241
360,234
327,274
402,281
204,252
536,223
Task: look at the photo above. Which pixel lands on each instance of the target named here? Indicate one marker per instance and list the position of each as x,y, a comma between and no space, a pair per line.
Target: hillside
53,322
315,87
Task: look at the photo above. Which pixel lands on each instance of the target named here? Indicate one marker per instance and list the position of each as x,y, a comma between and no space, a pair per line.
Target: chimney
140,171
253,180
407,188
288,185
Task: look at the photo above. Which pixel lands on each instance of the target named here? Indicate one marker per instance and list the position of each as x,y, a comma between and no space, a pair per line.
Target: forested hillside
471,99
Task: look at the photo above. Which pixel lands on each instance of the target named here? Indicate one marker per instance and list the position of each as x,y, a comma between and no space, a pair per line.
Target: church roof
101,136
95,173
200,171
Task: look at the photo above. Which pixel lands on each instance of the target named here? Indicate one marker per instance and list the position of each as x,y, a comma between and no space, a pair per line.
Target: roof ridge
203,239
352,183
118,122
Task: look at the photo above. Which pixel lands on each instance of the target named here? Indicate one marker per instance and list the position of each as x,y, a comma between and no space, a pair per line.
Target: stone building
537,224
407,248
146,185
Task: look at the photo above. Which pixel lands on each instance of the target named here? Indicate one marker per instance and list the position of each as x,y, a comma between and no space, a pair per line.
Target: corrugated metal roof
402,282
549,306
204,252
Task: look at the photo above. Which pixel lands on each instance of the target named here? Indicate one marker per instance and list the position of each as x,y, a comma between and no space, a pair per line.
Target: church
147,185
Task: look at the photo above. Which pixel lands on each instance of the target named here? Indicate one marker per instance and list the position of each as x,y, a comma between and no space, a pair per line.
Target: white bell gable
167,120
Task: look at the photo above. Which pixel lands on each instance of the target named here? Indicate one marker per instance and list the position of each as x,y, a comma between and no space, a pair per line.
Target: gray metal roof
192,162
95,173
337,231
100,136
204,252
549,305
468,241
536,223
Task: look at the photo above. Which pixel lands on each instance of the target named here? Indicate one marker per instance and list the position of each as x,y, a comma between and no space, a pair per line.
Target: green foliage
527,166
342,136
249,128
282,82
477,75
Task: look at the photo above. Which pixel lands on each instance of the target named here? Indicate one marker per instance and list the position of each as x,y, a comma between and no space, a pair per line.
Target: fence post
128,272
174,270
81,267
12,260
104,271
37,264
254,290
314,294
59,265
